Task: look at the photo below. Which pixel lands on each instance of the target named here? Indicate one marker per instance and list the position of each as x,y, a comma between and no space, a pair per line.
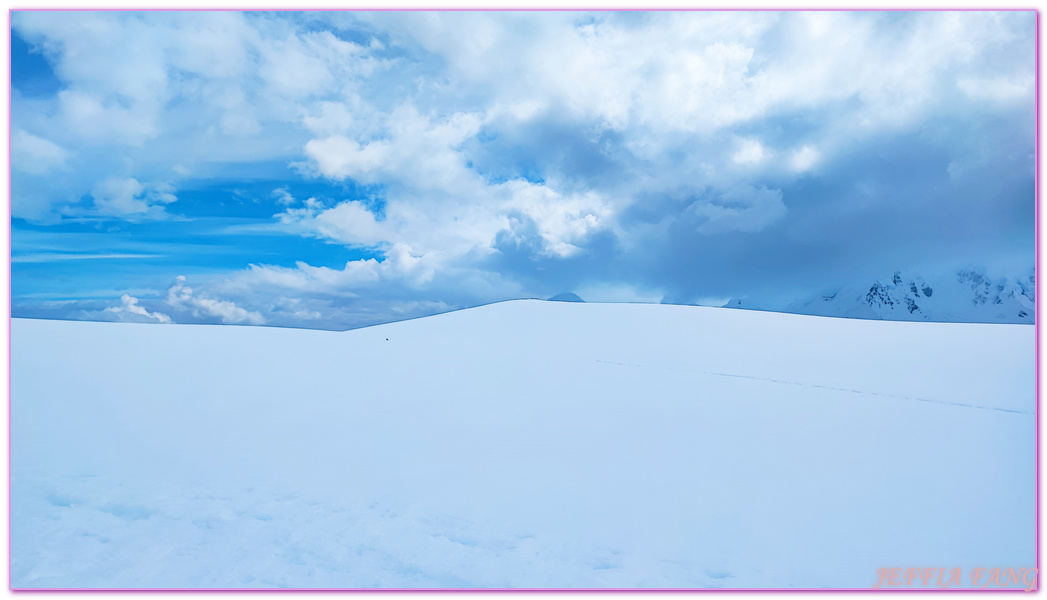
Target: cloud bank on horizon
339,169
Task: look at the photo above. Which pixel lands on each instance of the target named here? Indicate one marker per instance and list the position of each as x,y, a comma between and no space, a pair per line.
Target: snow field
520,444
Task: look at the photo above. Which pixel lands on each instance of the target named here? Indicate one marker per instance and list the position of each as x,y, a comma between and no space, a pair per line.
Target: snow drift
520,444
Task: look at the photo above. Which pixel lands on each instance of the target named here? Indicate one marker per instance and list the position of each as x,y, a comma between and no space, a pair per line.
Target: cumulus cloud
353,223
130,310
350,222
658,79
749,152
1000,90
339,157
216,60
402,284
129,198
434,200
174,88
181,297
804,159
700,71
671,88
401,265
300,64
35,155
283,196
415,147
561,221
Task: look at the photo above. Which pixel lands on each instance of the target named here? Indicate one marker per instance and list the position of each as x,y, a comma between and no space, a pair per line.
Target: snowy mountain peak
968,295
963,296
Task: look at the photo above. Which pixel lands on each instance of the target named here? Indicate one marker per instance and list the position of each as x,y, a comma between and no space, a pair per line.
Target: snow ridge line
824,387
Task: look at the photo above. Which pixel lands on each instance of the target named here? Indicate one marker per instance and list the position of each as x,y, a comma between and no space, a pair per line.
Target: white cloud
240,123
295,308
339,157
333,118
283,196
120,69
198,82
119,197
301,64
403,284
676,86
750,152
129,306
352,223
434,202
421,151
304,277
1002,90
98,119
804,159
35,155
174,88
401,265
180,296
561,220
129,198
690,71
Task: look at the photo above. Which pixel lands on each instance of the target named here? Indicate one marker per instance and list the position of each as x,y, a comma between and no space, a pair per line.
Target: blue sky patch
31,75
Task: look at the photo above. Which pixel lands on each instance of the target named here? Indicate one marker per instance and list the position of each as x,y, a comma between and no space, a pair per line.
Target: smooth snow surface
521,444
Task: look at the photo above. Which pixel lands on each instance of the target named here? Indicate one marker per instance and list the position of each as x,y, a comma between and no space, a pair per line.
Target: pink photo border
526,590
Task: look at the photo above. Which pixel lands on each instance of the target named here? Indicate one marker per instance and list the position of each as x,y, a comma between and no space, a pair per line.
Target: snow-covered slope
521,444
966,296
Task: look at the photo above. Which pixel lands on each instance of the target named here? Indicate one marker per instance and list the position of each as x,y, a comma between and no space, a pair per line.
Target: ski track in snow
815,385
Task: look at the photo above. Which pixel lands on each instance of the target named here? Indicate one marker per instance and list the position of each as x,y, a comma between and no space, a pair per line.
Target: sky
340,169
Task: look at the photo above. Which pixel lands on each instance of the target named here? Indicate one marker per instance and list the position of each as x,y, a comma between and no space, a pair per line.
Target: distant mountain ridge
963,296
566,297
